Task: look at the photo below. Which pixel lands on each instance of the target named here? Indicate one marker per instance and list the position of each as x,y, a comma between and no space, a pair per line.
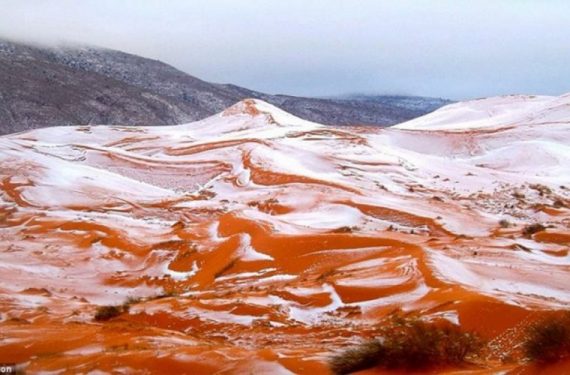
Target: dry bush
361,357
131,300
542,189
408,343
518,195
529,230
504,223
549,339
104,313
345,229
559,203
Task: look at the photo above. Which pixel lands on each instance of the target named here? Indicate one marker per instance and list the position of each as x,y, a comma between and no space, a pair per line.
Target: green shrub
409,343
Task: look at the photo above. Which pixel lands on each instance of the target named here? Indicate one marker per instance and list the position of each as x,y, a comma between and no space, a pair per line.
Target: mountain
254,241
82,85
417,103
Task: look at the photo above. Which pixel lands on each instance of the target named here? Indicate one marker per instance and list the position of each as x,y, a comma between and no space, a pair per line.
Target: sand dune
274,242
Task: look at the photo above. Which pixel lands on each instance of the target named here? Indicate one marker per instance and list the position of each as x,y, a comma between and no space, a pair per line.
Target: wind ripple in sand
272,241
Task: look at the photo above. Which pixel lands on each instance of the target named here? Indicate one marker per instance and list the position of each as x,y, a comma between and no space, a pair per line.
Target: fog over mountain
452,49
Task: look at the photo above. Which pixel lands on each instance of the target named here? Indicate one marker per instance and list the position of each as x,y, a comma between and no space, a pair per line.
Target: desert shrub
504,223
518,195
542,189
549,339
558,203
529,230
409,343
345,229
131,301
358,358
104,313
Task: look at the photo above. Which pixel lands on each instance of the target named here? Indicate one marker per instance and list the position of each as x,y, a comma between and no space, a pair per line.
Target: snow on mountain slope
84,85
254,239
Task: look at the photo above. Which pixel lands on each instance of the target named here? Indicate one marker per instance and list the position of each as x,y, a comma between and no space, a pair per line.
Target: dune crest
256,241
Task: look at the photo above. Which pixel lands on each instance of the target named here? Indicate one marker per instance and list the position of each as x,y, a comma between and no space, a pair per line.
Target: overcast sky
446,48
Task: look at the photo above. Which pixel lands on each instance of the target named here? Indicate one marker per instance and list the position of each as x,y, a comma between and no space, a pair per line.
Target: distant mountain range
41,86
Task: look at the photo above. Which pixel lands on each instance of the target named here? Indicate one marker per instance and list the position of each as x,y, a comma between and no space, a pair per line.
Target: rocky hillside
44,87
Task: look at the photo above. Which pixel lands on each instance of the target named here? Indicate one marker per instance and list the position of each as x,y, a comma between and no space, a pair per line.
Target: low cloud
324,47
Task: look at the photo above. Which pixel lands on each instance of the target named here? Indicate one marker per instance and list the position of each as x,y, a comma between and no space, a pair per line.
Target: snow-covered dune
256,240
493,113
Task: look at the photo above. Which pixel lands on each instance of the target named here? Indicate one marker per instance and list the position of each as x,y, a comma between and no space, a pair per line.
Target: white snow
494,112
489,146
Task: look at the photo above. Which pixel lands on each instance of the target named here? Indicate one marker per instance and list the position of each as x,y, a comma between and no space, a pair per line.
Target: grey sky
449,48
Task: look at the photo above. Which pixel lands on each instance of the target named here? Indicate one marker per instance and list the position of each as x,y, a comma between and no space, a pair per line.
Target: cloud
447,48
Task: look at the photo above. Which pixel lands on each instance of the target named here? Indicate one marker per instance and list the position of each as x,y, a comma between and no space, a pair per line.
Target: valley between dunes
257,242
